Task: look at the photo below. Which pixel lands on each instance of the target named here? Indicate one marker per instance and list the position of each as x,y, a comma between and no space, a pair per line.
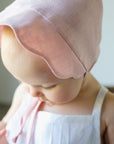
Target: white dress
30,126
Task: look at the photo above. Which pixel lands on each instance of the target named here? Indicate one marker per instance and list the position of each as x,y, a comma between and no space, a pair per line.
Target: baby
58,101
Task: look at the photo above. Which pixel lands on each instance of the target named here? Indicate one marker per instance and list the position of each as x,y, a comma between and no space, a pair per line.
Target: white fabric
51,128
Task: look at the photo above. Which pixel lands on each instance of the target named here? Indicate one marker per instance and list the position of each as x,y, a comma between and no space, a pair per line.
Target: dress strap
97,110
99,101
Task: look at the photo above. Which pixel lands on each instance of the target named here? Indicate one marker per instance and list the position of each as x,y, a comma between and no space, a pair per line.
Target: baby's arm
18,98
109,116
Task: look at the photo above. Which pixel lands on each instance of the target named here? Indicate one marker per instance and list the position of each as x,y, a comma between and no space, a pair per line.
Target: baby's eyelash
42,86
50,87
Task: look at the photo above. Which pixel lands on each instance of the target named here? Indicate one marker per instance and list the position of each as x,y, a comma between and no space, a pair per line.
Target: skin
66,96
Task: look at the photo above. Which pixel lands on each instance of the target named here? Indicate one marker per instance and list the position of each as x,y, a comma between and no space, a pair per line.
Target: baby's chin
58,102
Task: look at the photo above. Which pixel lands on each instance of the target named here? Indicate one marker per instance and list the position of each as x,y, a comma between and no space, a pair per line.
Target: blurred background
103,69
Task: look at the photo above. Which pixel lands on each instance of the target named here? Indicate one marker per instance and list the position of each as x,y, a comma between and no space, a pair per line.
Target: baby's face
32,70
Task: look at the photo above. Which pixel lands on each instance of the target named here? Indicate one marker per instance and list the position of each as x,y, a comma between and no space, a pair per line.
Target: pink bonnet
65,33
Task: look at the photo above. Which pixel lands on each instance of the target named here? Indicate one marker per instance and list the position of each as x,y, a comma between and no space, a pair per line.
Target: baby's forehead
11,44
9,41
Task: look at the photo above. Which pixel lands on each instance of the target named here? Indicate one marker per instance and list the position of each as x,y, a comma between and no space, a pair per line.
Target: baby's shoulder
108,117
108,108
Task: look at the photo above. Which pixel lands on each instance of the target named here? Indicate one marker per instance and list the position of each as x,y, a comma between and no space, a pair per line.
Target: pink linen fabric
66,34
29,108
3,139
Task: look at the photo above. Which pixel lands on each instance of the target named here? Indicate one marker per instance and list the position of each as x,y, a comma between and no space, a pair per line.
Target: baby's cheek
9,59
59,97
